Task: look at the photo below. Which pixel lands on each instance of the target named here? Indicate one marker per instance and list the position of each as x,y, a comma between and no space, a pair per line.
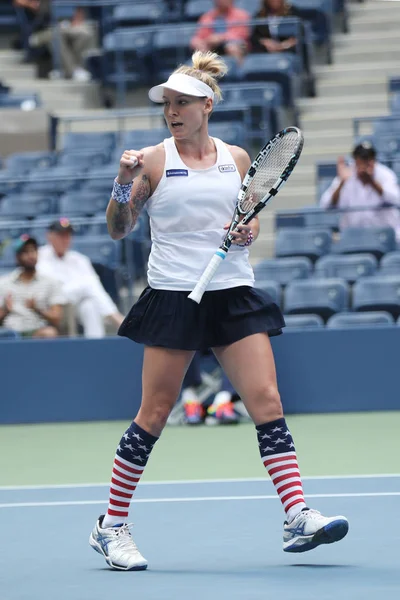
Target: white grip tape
134,161
206,277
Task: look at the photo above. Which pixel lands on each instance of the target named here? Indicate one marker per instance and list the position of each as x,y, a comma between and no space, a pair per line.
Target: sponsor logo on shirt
177,173
227,168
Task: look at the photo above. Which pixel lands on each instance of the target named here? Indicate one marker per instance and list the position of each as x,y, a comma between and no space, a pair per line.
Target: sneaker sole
333,532
100,550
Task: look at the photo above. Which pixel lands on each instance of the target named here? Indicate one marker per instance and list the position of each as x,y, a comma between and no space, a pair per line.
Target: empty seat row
342,320
326,297
349,267
316,242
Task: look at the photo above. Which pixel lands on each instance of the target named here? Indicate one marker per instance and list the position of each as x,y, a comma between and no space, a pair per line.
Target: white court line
194,499
61,486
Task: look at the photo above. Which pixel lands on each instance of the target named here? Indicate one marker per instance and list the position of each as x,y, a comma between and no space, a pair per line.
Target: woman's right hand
129,160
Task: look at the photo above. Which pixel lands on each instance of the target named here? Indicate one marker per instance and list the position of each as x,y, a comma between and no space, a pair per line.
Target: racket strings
269,169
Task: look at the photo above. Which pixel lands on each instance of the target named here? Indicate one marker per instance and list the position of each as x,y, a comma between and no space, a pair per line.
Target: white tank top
188,211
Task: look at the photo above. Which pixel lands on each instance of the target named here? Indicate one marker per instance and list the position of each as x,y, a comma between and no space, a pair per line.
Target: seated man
224,30
366,183
30,303
80,284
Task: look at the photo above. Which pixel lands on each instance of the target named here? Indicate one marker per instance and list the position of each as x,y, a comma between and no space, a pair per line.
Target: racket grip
197,294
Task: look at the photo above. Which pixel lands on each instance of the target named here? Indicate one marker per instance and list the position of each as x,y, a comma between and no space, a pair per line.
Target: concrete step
23,72
357,54
370,38
335,138
356,71
337,103
342,120
382,23
357,86
367,9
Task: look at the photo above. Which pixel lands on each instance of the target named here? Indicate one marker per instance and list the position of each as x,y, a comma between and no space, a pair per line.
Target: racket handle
197,294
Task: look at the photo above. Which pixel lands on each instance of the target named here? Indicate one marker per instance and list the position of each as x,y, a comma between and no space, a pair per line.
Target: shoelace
125,540
314,514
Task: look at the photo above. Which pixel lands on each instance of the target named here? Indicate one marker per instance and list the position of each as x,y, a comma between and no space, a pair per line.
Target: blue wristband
121,193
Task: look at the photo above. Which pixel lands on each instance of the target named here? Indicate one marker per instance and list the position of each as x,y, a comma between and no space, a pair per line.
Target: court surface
205,539
208,540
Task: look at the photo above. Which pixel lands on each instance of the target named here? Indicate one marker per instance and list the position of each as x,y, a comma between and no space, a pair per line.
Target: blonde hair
208,67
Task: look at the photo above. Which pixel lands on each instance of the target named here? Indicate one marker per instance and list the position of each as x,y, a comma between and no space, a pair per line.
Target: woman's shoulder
241,158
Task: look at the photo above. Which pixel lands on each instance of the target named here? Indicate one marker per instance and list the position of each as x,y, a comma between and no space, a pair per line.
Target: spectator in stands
264,38
80,283
224,30
30,302
74,37
33,16
365,183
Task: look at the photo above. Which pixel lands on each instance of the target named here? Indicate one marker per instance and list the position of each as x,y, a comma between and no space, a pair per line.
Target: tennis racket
266,175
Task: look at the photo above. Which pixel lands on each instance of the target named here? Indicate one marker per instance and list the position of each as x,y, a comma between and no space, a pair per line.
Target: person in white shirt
80,282
189,184
30,302
365,183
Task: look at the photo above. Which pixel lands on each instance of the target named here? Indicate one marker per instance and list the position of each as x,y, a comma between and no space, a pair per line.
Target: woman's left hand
241,235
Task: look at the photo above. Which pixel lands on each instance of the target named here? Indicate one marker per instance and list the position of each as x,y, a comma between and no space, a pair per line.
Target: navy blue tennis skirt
169,319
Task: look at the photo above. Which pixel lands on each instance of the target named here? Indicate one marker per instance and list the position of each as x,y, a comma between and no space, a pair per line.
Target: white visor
185,84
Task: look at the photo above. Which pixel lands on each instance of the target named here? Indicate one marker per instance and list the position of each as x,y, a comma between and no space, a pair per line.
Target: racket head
271,168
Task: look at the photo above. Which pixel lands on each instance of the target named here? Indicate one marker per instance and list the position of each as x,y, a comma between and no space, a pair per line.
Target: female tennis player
189,185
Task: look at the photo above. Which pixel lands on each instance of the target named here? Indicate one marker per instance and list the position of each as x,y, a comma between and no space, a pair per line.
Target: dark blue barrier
84,380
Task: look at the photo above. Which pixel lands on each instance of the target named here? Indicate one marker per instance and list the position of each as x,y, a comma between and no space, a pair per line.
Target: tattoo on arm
140,198
123,217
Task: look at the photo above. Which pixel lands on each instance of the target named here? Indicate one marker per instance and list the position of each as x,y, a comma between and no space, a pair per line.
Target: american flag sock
130,460
279,457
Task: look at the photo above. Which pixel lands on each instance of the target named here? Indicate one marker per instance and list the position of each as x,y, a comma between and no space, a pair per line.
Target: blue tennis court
203,539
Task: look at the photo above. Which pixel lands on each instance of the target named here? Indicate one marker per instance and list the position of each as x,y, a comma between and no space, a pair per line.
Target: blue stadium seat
28,101
273,288
54,180
127,58
83,203
323,297
365,319
374,240
251,6
304,321
23,162
97,141
283,68
349,267
320,217
100,249
194,9
308,242
264,98
83,160
319,14
171,46
390,264
140,138
283,270
7,255
8,334
231,132
101,179
136,14
8,182
29,205
381,292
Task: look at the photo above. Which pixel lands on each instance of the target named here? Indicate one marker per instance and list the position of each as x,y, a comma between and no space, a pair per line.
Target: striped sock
129,463
279,457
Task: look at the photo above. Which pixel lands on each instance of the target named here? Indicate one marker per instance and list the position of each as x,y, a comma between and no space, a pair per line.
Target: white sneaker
80,74
309,529
117,547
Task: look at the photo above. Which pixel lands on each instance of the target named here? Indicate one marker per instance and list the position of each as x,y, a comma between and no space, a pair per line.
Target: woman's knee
267,405
153,417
